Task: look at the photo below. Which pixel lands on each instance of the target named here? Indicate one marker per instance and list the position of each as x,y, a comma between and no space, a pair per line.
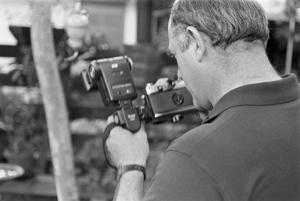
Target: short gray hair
224,21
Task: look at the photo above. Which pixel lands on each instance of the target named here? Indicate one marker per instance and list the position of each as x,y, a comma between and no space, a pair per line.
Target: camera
164,100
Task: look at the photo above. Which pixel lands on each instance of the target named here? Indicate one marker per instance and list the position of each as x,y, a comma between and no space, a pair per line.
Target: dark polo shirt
248,149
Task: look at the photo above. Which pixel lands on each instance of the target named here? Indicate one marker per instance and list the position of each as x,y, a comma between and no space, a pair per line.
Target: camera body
112,78
167,100
162,101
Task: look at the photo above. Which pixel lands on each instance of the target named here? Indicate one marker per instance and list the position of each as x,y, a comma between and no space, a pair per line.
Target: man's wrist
127,168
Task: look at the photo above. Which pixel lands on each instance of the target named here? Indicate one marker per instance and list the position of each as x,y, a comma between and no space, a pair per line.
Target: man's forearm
130,187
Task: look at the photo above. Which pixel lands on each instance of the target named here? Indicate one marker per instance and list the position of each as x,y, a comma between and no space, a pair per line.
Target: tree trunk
54,100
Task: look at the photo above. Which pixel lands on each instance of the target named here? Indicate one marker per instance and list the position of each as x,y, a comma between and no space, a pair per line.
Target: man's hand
127,148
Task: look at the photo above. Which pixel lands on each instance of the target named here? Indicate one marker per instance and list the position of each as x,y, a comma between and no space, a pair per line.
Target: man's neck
243,68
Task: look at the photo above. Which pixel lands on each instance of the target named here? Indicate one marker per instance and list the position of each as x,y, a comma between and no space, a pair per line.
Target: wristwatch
123,169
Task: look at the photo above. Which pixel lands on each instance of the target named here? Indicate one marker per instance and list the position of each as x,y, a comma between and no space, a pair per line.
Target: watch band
126,168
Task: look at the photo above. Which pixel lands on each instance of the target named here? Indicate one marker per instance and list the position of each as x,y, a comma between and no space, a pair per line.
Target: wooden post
291,7
130,23
54,100
290,46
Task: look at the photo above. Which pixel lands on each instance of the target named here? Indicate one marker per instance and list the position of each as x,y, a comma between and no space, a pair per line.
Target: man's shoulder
193,138
206,134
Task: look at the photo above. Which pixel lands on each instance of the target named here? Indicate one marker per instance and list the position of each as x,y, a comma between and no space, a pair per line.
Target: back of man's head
223,21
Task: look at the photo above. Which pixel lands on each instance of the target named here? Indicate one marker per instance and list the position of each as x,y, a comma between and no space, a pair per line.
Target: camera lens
178,99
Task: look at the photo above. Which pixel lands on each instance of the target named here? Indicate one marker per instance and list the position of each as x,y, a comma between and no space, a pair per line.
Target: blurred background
84,31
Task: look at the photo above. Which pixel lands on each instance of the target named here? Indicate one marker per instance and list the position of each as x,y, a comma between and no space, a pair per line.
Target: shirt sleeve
178,178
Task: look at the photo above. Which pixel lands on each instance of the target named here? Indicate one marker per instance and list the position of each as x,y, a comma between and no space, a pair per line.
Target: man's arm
130,187
179,178
126,148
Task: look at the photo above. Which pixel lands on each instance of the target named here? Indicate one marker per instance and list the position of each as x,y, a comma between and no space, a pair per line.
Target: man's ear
199,40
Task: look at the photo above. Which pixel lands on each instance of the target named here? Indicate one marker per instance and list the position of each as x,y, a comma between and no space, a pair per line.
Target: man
248,148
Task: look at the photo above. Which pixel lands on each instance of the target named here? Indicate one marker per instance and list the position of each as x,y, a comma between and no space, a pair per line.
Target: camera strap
106,133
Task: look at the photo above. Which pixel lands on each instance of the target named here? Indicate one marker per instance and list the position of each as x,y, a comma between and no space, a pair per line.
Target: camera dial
178,99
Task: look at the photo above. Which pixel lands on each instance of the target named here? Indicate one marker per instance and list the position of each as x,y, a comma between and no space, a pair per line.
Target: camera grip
128,118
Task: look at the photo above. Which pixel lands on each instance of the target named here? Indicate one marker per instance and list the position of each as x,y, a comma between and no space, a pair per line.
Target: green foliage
24,123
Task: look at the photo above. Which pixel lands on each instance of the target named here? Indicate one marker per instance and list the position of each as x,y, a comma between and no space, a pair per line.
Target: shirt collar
266,93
